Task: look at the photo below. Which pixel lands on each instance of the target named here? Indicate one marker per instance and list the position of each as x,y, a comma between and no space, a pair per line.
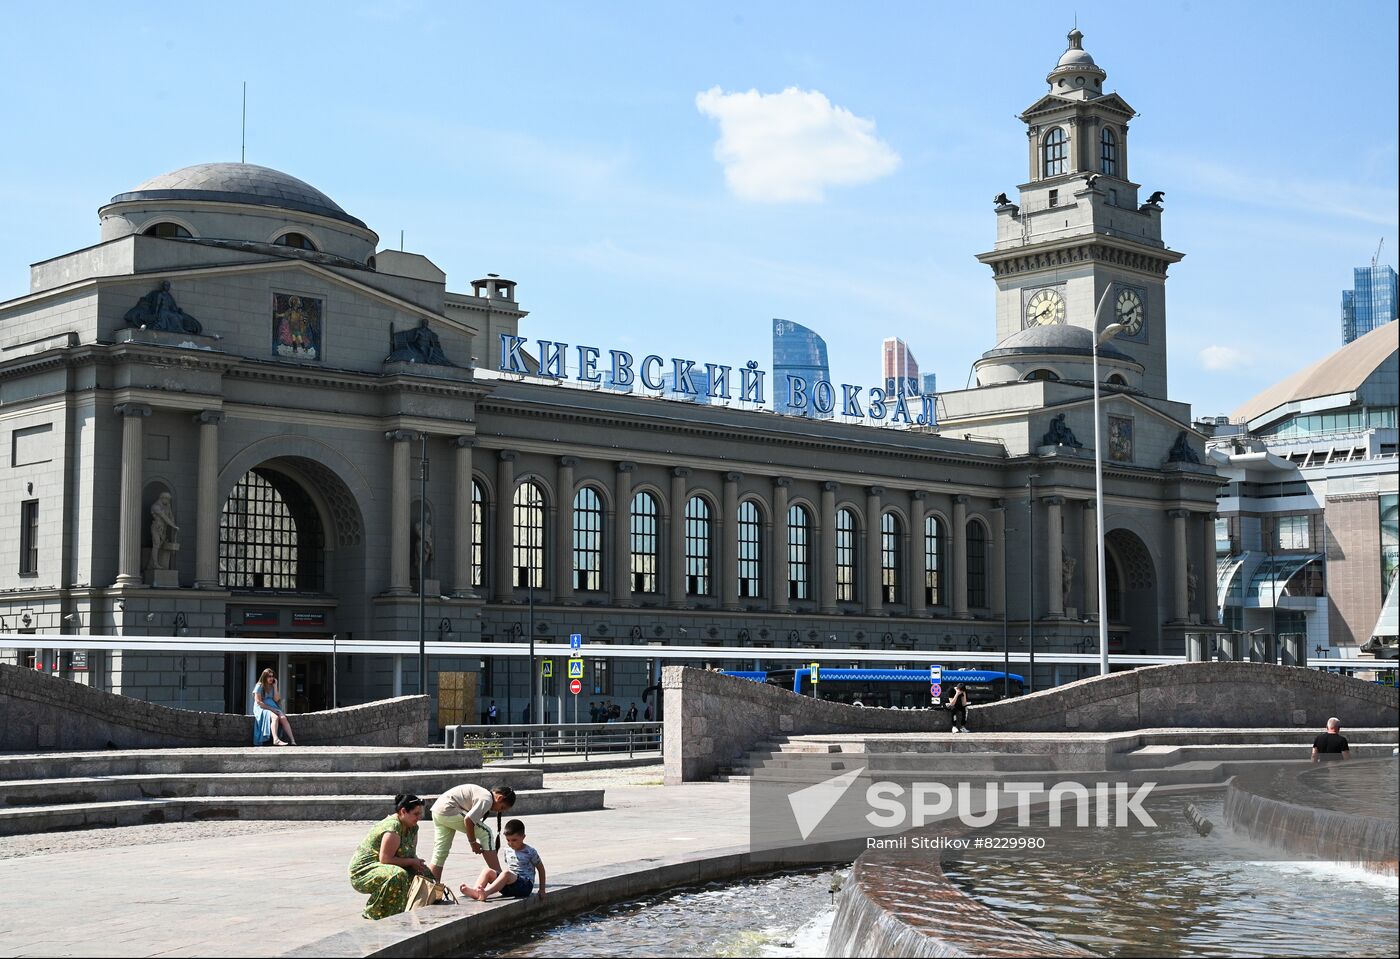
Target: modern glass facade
800,352
930,383
901,370
1371,302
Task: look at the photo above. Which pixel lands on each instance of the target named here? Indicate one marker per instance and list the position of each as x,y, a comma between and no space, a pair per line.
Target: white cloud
792,146
1224,358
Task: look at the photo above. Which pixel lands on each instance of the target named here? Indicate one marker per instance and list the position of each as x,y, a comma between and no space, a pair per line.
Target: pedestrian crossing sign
575,668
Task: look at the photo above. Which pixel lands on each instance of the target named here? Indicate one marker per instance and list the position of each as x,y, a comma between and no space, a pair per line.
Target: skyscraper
1371,302
901,370
930,381
797,351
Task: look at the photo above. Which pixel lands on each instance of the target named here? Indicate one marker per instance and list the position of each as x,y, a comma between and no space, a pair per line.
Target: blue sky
573,148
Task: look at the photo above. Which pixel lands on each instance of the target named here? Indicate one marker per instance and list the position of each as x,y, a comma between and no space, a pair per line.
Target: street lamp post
1005,611
422,562
1030,579
1097,339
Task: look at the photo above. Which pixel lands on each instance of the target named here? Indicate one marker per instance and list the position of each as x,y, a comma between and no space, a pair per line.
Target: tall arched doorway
292,559
1131,592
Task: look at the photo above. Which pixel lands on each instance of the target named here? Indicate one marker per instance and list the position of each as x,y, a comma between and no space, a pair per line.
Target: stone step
36,819
1154,757
37,792
1205,773
289,759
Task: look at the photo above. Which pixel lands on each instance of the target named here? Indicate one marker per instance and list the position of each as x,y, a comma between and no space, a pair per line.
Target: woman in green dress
385,863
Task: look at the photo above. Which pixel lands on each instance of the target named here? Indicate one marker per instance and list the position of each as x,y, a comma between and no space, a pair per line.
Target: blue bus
890,688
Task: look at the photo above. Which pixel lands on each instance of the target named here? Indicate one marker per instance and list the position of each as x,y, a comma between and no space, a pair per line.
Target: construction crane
1377,257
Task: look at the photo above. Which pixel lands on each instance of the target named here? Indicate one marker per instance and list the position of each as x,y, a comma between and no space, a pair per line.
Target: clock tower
1078,230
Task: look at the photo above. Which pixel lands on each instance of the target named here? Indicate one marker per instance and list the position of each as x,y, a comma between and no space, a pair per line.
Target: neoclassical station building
215,417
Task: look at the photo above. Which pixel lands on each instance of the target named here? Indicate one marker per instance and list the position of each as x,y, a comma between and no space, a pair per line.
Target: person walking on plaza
632,713
1331,745
386,861
464,809
493,715
958,704
268,716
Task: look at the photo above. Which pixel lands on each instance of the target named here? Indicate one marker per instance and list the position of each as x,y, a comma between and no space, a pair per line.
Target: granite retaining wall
41,712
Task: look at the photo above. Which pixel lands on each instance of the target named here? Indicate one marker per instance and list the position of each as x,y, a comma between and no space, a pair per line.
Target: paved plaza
242,888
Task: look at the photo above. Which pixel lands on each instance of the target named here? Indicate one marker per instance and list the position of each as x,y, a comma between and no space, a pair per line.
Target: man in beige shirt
464,809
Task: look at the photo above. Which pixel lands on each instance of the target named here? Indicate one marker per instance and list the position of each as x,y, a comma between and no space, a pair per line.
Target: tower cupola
1077,75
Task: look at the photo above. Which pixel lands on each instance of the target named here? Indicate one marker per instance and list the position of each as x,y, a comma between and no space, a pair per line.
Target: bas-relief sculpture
157,310
416,345
1181,451
1060,435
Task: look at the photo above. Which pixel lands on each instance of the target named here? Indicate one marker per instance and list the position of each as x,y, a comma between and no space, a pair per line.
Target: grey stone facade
103,418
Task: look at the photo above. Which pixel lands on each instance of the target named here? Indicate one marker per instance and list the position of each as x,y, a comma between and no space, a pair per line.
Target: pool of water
788,914
1177,893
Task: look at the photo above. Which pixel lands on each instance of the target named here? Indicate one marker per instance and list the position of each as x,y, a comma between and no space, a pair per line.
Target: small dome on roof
1076,55
1057,338
239,183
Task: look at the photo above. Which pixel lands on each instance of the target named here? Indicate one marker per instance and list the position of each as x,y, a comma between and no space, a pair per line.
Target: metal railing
528,740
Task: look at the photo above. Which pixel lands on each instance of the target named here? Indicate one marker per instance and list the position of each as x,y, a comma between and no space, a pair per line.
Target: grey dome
1075,61
1059,338
239,183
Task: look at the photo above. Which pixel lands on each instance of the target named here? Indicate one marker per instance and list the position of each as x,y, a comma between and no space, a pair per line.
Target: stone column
505,530
958,555
918,573
462,545
564,531
207,505
778,546
999,560
400,523
874,568
1090,562
133,478
826,545
1206,575
1055,561
1180,557
729,539
675,547
622,534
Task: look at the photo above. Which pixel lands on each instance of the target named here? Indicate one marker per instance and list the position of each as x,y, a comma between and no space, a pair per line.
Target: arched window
528,523
297,241
799,535
1108,152
645,551
478,535
270,536
1048,375
697,547
891,558
1056,152
1117,380
845,555
934,564
976,565
750,551
168,230
588,539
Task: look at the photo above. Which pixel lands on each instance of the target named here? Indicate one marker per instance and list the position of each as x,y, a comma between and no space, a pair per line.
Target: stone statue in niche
157,311
164,533
1181,451
1067,565
1192,583
416,345
1060,435
422,545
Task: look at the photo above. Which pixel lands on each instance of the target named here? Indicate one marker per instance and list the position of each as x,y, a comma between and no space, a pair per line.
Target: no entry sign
575,687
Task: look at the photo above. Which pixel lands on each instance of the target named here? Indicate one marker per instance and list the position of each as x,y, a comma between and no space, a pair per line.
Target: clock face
1130,312
1045,307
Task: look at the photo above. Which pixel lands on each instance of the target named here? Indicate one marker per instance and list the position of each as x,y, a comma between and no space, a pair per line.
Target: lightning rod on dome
243,146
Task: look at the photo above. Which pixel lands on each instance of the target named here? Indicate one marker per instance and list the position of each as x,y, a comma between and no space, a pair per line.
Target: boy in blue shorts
519,863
